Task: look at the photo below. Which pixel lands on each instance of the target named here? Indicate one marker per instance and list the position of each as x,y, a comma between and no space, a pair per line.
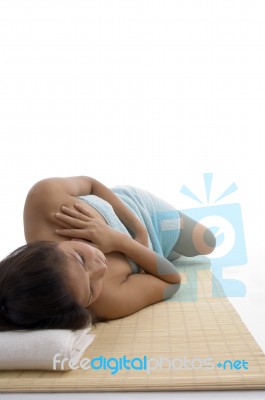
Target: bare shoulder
48,193
73,186
41,203
136,292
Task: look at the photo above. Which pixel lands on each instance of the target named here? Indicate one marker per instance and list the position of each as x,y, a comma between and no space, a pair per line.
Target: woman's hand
86,226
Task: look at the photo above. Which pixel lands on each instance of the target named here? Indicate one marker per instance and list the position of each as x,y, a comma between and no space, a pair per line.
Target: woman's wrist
142,237
119,241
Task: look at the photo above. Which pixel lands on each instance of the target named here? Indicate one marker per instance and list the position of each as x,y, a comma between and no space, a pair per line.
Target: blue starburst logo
226,223
208,177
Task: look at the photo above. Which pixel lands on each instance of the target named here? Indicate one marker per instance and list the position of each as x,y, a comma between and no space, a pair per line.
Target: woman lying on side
93,254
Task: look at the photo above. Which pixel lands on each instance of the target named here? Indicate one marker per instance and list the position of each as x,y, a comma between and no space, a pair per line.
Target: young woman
93,254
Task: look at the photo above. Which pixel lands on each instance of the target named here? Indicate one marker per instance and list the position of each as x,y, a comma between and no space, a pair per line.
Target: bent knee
203,239
210,240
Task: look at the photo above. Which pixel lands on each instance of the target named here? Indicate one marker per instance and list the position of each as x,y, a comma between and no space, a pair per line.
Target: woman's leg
194,239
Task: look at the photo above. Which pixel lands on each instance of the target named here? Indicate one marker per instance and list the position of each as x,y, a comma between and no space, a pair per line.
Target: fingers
72,221
83,214
74,213
82,209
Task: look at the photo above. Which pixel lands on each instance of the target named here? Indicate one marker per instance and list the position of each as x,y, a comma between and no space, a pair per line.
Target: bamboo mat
189,327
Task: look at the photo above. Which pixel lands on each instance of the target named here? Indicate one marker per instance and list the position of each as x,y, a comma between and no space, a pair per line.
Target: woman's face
86,267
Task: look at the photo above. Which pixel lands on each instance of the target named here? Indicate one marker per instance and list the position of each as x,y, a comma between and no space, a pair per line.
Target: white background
145,93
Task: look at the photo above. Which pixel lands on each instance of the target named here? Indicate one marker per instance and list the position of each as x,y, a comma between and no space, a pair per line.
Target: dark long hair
34,293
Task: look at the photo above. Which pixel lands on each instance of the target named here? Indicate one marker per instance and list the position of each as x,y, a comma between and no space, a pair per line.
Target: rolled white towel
43,349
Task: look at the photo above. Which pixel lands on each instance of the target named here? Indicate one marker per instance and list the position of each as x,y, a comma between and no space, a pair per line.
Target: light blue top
161,219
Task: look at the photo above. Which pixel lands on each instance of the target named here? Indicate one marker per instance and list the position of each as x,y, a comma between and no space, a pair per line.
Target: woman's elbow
206,242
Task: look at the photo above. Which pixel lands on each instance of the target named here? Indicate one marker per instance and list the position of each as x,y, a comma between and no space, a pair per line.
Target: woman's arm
131,222
86,226
151,262
51,193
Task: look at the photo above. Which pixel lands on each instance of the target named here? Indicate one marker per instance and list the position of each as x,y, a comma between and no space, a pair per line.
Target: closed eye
83,259
91,288
92,292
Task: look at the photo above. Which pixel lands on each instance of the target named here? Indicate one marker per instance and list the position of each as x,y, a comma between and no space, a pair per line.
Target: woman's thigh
194,238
